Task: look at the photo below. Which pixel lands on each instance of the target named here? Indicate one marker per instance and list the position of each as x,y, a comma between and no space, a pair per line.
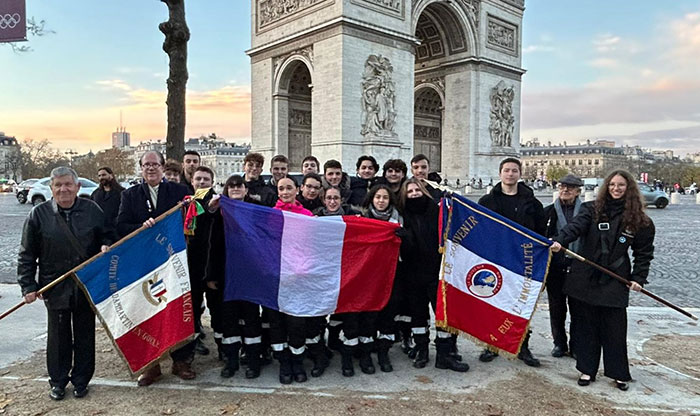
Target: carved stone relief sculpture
502,124
502,35
378,97
472,8
271,11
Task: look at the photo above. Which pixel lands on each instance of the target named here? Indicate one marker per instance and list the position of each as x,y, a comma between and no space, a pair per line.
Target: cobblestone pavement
674,273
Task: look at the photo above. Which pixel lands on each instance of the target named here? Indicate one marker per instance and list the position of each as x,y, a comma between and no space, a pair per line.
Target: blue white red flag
140,290
492,275
307,266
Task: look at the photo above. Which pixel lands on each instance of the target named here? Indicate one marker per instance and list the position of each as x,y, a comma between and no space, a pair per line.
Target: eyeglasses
333,198
565,186
150,165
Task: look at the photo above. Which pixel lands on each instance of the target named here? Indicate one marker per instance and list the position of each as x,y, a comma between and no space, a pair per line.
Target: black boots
421,349
252,353
219,348
285,359
334,342
231,354
383,347
346,360
317,352
525,355
445,358
366,364
487,356
298,368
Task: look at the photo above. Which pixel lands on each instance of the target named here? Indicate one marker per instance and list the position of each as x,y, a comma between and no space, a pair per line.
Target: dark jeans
70,345
601,328
558,309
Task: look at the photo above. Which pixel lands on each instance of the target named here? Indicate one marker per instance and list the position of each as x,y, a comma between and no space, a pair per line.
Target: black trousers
232,312
558,308
287,329
70,344
600,328
358,324
421,295
386,324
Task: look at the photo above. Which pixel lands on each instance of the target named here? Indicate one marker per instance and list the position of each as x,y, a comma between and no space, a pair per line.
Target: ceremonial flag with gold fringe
492,274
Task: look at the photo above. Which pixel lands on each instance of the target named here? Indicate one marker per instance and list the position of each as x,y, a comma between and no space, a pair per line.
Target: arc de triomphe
390,78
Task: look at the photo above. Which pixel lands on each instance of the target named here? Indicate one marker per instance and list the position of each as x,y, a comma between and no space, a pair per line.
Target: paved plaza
663,347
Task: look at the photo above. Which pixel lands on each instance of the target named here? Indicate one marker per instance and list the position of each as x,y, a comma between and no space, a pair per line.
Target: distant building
9,158
121,138
585,160
224,158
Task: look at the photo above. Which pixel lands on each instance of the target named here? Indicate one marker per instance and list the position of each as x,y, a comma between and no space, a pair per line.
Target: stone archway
293,108
427,127
446,38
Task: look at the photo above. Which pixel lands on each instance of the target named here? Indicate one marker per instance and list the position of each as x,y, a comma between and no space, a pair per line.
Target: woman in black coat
609,228
422,260
233,335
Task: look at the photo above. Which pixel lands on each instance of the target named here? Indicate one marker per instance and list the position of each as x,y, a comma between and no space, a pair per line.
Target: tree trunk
175,45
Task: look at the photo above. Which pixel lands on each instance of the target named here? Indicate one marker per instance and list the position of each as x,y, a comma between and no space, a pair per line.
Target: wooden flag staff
85,263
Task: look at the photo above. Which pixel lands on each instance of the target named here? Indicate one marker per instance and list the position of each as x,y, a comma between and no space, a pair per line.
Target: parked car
22,190
653,196
6,185
41,190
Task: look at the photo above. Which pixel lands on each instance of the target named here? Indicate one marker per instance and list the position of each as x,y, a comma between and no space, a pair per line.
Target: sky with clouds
622,69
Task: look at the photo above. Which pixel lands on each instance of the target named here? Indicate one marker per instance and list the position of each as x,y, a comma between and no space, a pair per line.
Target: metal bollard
555,196
468,190
675,198
589,196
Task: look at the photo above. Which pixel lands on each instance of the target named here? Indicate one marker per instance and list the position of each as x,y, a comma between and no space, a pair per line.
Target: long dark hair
633,216
373,191
113,184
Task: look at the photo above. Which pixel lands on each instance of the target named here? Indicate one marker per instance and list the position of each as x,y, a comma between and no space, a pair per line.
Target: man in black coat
367,168
108,196
57,236
558,214
515,201
258,191
140,205
420,168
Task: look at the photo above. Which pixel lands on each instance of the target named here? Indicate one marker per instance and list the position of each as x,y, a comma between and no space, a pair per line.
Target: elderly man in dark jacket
515,201
558,215
141,204
57,236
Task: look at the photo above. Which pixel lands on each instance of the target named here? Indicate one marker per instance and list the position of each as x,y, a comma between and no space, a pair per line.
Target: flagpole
86,262
628,283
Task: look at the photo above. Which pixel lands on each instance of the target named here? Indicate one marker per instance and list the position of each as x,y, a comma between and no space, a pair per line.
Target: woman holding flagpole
287,332
610,227
422,259
235,310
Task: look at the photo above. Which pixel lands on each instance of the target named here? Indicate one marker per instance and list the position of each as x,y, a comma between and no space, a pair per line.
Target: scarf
323,212
561,221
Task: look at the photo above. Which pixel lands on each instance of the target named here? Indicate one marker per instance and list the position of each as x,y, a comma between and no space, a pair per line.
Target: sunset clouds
644,89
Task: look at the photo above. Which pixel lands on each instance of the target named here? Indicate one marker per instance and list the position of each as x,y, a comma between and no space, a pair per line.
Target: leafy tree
177,34
554,172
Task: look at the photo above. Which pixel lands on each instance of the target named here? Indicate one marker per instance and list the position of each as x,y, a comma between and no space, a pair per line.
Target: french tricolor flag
307,266
140,290
493,273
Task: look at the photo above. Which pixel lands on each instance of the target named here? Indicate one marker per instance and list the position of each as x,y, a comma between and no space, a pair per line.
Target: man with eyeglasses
140,205
557,215
310,191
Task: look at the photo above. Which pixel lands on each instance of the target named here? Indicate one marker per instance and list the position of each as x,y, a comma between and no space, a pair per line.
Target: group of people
67,230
